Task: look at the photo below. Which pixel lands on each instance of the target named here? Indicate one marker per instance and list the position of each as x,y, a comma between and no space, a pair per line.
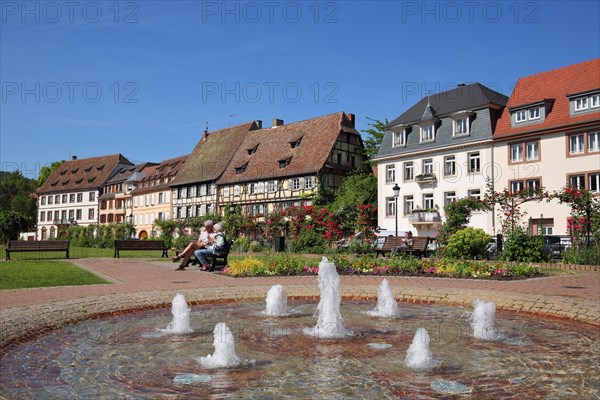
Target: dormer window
252,150
534,113
399,138
461,126
581,104
427,133
521,116
100,167
284,163
296,143
241,169
64,171
595,101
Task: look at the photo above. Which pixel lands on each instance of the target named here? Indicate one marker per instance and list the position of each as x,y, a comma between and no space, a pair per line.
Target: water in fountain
386,302
277,302
181,316
330,324
483,321
418,355
224,355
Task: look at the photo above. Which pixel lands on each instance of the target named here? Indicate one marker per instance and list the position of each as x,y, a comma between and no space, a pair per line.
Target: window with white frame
409,171
135,201
595,101
296,184
236,190
516,186
43,200
78,214
161,198
210,189
546,230
474,194
91,213
390,206
594,182
461,126
260,187
272,186
532,151
520,116
92,196
390,173
427,133
594,141
534,113
309,182
581,104
449,197
71,215
192,191
533,184
427,201
43,216
64,199
428,166
409,204
577,181
399,139
474,161
50,199
576,144
252,188
449,165
516,152
226,191
79,197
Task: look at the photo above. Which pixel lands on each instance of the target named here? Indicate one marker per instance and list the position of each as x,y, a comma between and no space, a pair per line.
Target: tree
11,224
374,137
356,190
17,194
458,214
45,171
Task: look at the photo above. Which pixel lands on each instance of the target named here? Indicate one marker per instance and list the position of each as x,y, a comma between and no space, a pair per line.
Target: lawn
46,273
83,252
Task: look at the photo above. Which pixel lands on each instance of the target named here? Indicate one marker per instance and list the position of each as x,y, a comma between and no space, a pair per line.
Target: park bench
392,243
140,245
20,246
214,259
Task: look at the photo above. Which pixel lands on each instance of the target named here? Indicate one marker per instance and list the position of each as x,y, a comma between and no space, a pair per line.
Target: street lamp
396,190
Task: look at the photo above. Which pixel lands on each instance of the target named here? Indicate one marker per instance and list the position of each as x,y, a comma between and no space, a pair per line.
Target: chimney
277,122
461,84
205,135
74,158
352,119
258,123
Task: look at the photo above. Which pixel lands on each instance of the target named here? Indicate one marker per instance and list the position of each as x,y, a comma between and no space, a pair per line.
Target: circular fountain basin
116,358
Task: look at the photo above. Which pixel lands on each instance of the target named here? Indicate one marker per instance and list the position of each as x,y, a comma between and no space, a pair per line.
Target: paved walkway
139,284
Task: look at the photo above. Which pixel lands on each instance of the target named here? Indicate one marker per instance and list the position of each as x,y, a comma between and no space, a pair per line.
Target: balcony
425,178
425,218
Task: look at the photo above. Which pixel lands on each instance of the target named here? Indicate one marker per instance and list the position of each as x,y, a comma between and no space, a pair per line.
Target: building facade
438,151
69,196
549,136
151,197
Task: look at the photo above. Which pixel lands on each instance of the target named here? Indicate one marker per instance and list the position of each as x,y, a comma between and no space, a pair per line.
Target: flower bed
368,265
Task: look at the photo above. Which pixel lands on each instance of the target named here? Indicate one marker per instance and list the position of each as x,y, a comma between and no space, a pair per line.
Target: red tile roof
83,174
211,155
317,137
166,169
552,85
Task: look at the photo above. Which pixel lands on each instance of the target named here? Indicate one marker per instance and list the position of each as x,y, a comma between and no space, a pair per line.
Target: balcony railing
425,217
425,178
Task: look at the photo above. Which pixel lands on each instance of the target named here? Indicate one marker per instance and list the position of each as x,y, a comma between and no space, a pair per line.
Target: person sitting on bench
205,239
407,243
219,244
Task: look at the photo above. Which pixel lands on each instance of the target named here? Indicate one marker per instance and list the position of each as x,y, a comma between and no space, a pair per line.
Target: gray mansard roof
481,103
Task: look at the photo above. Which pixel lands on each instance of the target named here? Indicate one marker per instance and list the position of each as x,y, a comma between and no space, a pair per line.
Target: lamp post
396,190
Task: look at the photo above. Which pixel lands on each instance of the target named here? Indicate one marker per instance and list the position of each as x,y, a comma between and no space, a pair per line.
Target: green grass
44,273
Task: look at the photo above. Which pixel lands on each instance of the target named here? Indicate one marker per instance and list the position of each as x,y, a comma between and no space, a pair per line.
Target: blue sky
143,78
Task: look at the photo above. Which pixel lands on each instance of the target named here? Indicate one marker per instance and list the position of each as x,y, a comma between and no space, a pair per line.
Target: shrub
357,246
241,244
519,246
468,243
246,267
255,247
307,239
582,255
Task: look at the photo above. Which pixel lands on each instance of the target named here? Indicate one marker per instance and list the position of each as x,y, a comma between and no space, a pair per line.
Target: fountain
483,321
181,316
277,302
418,355
224,355
386,302
330,323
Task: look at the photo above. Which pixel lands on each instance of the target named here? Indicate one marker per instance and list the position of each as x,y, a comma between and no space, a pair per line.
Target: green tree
45,171
458,214
11,224
17,194
356,190
468,243
374,137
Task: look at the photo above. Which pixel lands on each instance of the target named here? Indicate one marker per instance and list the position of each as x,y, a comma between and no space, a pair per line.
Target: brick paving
139,284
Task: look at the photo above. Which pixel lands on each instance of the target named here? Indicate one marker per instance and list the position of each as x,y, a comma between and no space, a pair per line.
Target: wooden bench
140,245
418,249
390,243
20,246
214,259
